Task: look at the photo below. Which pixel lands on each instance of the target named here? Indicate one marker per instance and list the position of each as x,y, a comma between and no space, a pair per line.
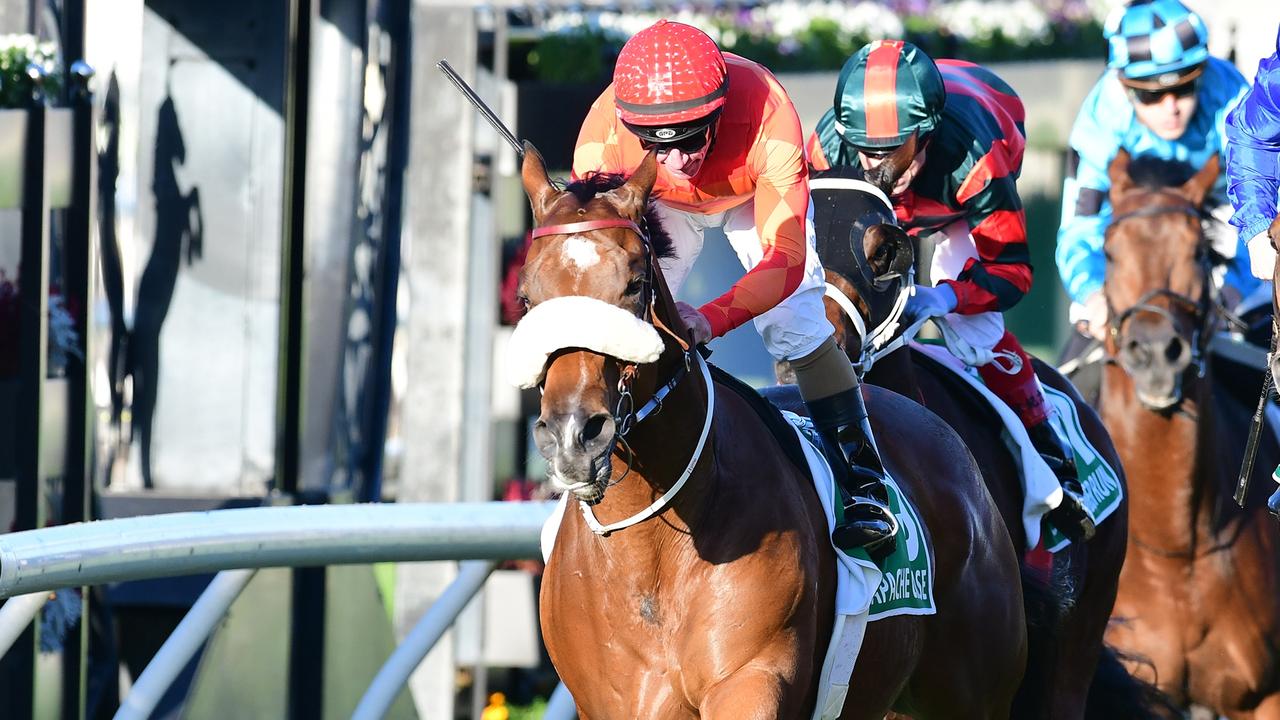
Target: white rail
16,615
235,541
154,546
182,644
382,692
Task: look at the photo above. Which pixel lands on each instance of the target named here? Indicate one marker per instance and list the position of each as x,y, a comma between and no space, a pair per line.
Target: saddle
956,386
766,404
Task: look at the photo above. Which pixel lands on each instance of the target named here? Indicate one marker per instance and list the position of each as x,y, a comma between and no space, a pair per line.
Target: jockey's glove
699,326
1095,315
1262,256
928,302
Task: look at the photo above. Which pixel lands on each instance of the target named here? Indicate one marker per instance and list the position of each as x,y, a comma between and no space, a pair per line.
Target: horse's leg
953,681
752,693
888,656
1081,630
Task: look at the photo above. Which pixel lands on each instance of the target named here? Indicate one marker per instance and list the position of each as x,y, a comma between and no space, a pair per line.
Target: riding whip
1259,419
480,105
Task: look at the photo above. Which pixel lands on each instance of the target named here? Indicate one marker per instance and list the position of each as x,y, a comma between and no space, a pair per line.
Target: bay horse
706,588
867,258
1200,591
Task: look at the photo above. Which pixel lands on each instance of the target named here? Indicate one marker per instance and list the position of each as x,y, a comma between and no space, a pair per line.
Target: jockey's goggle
688,138
880,153
1153,97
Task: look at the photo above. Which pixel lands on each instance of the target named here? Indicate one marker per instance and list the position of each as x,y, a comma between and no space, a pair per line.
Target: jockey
959,192
729,148
1169,98
1253,163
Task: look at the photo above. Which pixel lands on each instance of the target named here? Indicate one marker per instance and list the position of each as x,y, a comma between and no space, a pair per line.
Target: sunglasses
1152,97
687,145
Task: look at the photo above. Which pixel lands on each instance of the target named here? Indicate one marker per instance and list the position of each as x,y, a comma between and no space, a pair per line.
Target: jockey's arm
813,151
1079,257
1001,274
1253,153
1092,144
781,207
597,146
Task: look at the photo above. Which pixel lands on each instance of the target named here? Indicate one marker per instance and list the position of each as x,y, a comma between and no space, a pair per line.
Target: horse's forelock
598,182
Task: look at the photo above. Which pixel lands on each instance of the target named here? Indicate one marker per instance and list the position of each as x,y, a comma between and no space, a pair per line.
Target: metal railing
234,542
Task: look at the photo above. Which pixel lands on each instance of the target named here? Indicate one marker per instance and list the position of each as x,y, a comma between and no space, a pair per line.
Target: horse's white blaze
581,252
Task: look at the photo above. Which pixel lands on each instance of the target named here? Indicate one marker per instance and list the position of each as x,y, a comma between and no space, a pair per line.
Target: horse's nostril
596,428
1136,353
1173,351
543,437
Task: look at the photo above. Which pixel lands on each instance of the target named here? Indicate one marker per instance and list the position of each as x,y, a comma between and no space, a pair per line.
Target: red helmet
668,77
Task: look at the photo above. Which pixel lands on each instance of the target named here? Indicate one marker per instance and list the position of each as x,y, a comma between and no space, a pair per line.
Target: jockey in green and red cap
959,191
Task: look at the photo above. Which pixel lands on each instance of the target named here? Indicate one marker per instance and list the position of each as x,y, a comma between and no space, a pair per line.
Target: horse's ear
888,250
537,183
1202,182
1118,171
886,174
633,196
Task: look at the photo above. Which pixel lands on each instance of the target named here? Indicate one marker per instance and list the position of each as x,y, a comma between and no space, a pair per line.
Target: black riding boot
867,523
1070,517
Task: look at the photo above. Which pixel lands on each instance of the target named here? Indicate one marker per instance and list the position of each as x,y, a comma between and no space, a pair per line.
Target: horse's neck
897,372
660,449
1162,455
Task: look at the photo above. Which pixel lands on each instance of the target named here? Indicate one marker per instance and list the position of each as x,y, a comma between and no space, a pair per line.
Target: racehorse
1200,591
692,573
867,259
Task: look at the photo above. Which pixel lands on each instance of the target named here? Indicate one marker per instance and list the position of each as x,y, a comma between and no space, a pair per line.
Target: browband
585,225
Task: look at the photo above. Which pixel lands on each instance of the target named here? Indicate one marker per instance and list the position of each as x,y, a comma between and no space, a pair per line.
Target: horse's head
590,285
868,259
1157,279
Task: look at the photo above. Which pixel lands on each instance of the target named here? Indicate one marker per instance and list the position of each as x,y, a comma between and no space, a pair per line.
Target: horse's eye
524,302
634,287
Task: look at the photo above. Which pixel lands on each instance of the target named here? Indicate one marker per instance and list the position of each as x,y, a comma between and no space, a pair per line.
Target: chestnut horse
1200,591
867,259
706,589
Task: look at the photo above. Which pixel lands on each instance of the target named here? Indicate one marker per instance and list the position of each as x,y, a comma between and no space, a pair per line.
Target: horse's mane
597,182
1153,173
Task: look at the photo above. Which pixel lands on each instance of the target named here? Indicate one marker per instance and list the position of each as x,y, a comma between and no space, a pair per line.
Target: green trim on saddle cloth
906,587
1102,491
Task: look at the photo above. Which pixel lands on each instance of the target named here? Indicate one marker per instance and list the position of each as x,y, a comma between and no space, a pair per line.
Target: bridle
1201,311
625,414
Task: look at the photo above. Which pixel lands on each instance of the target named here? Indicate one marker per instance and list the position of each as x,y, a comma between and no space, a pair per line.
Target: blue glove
928,302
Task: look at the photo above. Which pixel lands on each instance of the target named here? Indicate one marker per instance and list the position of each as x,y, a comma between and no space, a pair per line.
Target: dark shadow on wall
109,248
179,230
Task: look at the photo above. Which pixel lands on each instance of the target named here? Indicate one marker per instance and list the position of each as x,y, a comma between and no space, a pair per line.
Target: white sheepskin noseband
575,321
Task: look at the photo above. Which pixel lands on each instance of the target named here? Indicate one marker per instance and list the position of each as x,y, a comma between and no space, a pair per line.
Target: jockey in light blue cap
1163,95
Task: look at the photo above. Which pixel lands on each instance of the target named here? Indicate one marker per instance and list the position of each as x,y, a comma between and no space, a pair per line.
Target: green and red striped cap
886,91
